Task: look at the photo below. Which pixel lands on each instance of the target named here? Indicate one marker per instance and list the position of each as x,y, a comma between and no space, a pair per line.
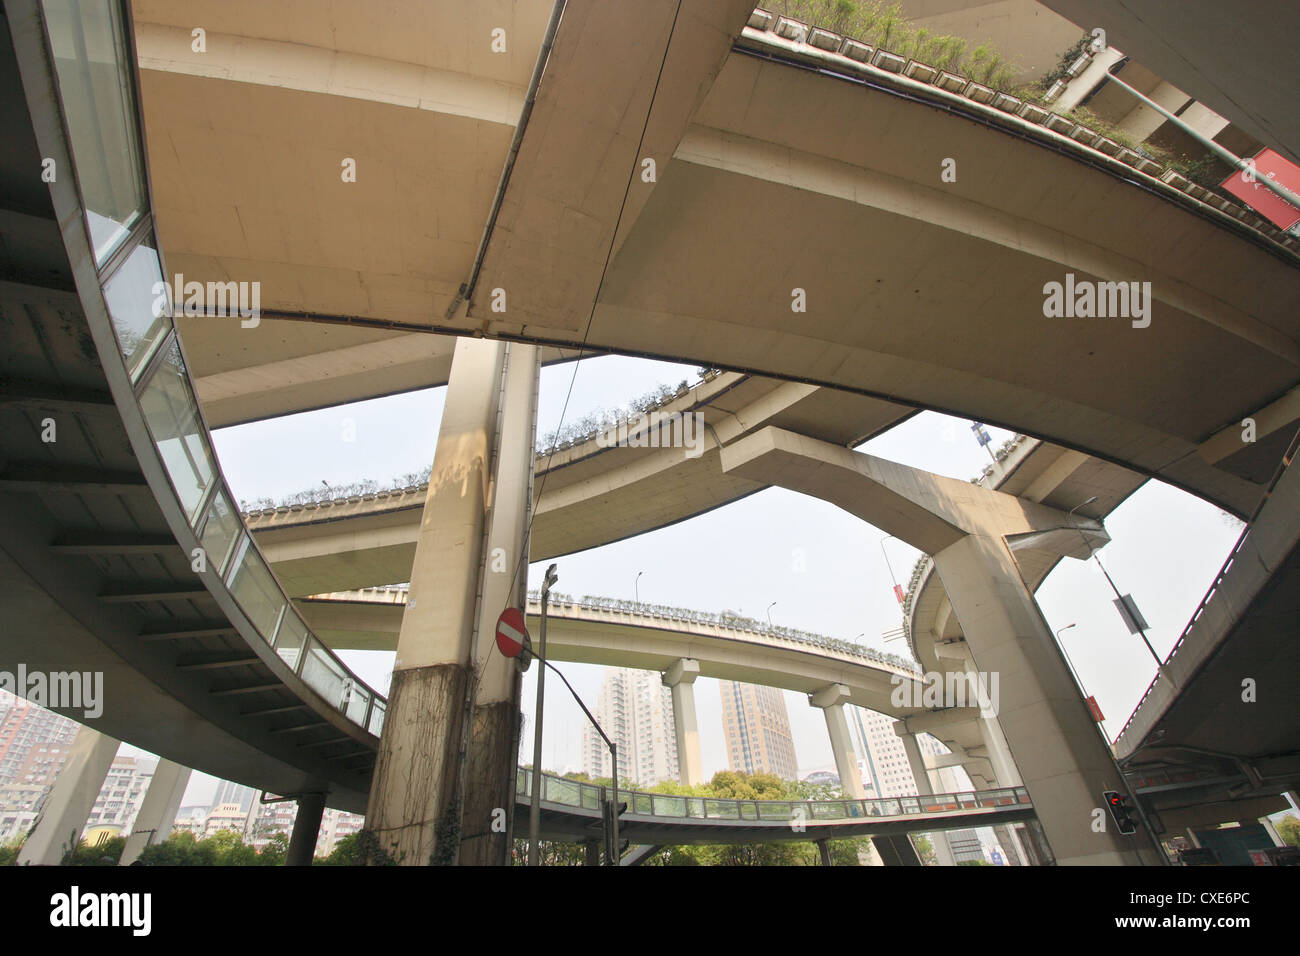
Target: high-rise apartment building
757,730
636,710
122,793
229,792
24,726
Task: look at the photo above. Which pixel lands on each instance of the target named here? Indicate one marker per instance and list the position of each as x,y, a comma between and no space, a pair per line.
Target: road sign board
511,632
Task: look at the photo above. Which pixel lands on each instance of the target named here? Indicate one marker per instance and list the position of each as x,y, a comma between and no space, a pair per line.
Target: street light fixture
769,613
637,585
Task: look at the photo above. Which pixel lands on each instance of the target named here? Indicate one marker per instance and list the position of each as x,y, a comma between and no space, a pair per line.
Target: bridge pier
924,788
71,799
306,826
681,679
824,851
831,700
414,808
489,782
977,536
157,813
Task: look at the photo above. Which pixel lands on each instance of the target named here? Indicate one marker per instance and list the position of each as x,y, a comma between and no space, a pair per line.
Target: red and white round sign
511,632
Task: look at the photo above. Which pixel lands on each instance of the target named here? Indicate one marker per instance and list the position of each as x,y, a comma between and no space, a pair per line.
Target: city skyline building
756,727
636,710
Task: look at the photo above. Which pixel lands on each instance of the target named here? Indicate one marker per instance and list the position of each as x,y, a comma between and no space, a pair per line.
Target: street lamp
637,585
535,809
769,613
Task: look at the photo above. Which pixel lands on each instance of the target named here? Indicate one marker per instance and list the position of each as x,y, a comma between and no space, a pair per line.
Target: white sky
1166,548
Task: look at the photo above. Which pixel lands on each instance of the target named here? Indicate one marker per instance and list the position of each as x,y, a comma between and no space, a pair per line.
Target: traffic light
1119,811
610,817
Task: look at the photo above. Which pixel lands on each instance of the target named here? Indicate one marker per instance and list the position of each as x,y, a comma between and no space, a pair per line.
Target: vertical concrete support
489,783
924,788
592,856
831,700
69,802
681,678
306,825
414,799
824,851
158,812
1065,765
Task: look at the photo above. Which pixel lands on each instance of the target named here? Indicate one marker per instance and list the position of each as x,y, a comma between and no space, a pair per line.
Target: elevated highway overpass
744,165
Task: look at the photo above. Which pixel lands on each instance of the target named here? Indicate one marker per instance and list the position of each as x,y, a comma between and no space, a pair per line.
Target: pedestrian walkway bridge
571,812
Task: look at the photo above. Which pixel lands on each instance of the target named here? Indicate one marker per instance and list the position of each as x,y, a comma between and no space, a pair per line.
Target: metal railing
733,622
563,792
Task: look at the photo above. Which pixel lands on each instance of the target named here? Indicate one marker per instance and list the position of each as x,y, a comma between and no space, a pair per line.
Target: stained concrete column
158,811
306,825
69,802
831,700
414,797
681,678
924,788
824,851
489,784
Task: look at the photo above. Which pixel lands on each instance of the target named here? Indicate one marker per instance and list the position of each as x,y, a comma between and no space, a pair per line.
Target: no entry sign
511,632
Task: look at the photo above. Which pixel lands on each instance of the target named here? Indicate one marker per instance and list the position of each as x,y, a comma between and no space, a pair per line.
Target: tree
106,853
9,851
1288,828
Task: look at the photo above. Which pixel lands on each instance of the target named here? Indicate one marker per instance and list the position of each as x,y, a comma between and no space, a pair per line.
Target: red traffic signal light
1119,811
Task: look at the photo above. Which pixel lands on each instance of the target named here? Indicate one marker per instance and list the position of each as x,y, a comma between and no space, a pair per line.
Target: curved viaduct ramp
586,494
601,633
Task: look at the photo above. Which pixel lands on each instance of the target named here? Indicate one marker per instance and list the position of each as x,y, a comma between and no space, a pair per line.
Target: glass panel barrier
88,39
377,716
558,790
357,703
775,810
669,806
747,810
722,809
591,797
173,419
252,585
219,528
291,639
640,803
323,673
139,304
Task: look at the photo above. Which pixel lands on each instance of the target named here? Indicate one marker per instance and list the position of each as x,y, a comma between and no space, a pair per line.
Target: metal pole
616,854
1231,158
1160,667
535,807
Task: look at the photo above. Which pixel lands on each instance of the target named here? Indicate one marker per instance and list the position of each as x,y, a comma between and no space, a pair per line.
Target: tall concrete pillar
681,678
306,825
489,784
973,534
70,800
924,788
831,700
1065,765
158,812
415,796
824,852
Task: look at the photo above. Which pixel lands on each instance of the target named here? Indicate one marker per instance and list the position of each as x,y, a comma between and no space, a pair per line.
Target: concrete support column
924,788
831,700
415,796
158,811
681,678
70,800
1065,765
1087,81
824,851
306,825
490,779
